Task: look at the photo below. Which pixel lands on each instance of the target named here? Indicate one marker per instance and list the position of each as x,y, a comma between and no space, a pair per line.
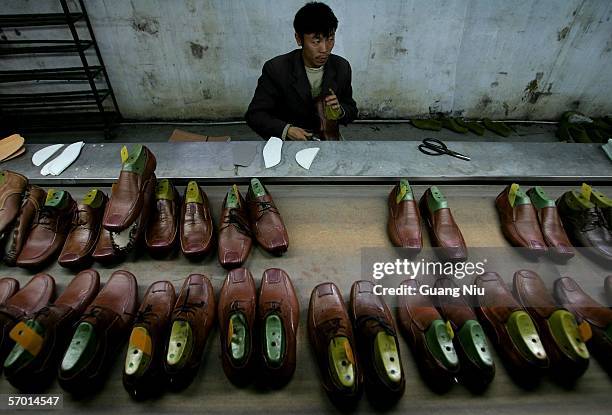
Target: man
284,101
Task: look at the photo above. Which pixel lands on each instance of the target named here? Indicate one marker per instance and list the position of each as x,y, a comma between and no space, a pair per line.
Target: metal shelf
56,108
55,74
19,47
43,19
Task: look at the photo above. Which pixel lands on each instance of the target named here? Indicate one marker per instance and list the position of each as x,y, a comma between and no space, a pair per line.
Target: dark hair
315,17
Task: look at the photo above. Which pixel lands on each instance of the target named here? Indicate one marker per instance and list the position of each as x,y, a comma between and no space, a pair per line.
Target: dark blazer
283,94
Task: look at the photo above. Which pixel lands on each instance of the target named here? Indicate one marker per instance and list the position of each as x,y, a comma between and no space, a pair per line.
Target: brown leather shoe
237,314
378,347
427,335
278,317
557,327
8,288
234,231
162,230
29,299
404,224
196,227
28,213
553,232
510,328
104,252
519,221
192,319
443,230
266,221
331,336
49,232
12,188
143,362
128,197
85,230
99,335
569,295
43,338
477,365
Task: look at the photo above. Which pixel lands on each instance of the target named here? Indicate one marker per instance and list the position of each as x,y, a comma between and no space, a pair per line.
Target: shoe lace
264,207
375,322
235,219
79,218
332,326
187,308
145,315
45,217
592,219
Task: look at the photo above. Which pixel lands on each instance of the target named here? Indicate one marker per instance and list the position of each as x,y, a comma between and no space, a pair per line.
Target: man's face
316,48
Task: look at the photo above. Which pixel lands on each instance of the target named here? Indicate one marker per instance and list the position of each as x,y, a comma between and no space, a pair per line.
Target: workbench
333,212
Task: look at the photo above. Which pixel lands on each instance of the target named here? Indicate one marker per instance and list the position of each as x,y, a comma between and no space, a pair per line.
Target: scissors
435,147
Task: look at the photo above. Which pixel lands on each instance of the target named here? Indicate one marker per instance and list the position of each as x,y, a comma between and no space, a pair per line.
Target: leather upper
266,223
128,196
11,193
196,227
234,235
520,223
404,223
85,230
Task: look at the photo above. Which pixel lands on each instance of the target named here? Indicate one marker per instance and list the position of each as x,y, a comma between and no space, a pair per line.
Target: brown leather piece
154,316
111,314
277,297
8,288
443,231
267,223
404,223
47,235
554,233
520,224
539,303
57,320
328,129
371,316
195,305
196,227
83,236
29,299
28,213
104,252
162,229
570,296
494,310
235,235
328,318
11,193
128,196
238,295
415,315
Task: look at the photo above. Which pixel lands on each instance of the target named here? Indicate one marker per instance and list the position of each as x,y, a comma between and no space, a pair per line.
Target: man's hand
297,133
332,101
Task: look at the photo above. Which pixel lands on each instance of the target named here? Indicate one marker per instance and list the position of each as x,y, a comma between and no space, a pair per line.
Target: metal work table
357,161
328,228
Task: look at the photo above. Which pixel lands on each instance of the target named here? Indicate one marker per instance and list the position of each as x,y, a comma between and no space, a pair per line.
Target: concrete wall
519,59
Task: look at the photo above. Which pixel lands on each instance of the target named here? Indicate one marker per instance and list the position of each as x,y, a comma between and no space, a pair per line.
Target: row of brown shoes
404,222
241,221
37,226
168,333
